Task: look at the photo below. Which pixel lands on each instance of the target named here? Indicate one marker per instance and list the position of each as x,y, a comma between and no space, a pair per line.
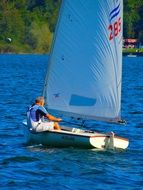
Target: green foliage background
133,19
30,24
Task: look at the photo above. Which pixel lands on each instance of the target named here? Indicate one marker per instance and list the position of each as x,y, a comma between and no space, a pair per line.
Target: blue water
37,167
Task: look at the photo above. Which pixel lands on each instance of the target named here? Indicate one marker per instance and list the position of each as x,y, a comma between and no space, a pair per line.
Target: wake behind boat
84,73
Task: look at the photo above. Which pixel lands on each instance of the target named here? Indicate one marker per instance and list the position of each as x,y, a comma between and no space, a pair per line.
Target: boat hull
73,137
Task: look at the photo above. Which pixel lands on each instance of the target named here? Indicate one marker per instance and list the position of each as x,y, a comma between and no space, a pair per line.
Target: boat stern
109,141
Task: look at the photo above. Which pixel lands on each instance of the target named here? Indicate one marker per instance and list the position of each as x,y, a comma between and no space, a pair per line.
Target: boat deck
77,131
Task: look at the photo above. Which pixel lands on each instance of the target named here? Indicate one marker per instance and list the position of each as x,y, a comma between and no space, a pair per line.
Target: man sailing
36,114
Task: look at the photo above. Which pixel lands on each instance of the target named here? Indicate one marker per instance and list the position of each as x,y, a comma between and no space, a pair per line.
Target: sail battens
84,76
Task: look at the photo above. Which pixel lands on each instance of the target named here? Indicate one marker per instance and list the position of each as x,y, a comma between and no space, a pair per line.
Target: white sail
84,71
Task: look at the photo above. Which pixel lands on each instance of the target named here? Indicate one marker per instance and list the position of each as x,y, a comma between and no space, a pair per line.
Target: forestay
85,64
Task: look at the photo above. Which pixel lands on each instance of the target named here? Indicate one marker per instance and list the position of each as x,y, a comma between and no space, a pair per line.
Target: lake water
37,167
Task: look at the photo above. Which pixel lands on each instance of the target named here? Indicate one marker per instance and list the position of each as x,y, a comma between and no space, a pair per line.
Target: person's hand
59,119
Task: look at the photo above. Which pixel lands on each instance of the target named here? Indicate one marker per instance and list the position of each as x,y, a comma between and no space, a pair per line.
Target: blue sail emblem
115,12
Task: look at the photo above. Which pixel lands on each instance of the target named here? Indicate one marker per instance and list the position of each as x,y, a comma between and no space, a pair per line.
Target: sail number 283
114,29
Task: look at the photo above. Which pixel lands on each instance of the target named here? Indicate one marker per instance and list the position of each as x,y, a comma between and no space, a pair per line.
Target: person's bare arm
52,118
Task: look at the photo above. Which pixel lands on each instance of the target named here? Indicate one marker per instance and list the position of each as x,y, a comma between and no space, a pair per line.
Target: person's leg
56,126
39,128
45,126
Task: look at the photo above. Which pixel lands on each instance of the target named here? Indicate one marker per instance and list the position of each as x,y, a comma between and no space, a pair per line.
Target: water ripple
38,167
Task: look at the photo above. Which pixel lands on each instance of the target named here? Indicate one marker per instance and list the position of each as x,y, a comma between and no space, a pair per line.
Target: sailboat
84,74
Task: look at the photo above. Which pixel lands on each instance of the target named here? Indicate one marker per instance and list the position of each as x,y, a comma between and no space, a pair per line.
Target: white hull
71,137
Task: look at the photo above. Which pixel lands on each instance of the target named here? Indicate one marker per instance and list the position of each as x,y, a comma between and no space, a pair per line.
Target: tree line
133,19
27,26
